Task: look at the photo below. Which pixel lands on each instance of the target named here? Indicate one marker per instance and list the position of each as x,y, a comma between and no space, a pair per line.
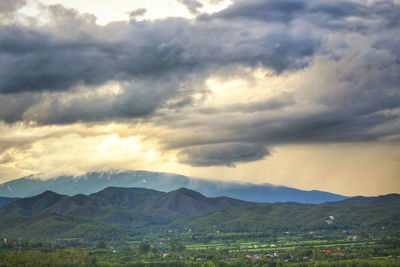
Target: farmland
182,249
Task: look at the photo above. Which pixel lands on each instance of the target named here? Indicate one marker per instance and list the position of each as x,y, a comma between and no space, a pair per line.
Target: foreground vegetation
183,249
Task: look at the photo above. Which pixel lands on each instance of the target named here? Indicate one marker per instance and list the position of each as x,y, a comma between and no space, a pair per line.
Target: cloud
137,13
10,6
332,75
222,154
6,158
35,59
192,5
215,2
332,15
281,11
275,103
330,102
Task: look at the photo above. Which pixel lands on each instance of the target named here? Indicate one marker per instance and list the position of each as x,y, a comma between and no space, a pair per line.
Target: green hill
118,213
187,202
6,200
129,208
383,200
291,216
50,226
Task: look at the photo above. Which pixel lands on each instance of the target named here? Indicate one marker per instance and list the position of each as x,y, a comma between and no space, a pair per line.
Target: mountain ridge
182,201
121,212
166,182
381,200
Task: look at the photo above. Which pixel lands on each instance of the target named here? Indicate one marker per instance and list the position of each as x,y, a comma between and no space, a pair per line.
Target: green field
177,252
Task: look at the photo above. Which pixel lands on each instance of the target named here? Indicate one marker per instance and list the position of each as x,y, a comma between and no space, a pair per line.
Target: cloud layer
219,88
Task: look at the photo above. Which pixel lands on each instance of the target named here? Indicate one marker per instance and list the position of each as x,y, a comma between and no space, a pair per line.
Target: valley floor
217,251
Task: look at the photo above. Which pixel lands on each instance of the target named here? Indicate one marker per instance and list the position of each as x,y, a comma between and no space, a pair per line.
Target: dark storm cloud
327,14
41,59
286,11
222,154
34,61
51,62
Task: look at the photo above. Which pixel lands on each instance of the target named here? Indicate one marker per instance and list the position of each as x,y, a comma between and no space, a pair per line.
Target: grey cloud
324,14
40,62
9,6
137,13
49,62
39,59
33,61
138,100
15,143
288,10
261,106
222,154
357,101
192,5
13,106
270,104
338,9
280,11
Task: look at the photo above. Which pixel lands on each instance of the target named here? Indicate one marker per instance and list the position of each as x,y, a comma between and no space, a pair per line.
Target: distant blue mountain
96,181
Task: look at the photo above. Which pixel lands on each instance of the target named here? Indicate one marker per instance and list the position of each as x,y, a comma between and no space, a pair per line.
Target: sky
299,93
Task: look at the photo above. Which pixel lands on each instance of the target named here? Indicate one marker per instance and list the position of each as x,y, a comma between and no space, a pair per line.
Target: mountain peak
188,192
49,193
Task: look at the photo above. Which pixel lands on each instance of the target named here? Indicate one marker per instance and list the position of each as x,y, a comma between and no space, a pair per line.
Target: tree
144,247
101,245
176,246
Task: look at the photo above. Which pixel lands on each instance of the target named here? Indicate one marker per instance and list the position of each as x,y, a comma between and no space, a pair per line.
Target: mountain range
112,211
166,182
125,213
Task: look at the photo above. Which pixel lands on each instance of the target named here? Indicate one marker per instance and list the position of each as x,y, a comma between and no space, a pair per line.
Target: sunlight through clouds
114,146
255,91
